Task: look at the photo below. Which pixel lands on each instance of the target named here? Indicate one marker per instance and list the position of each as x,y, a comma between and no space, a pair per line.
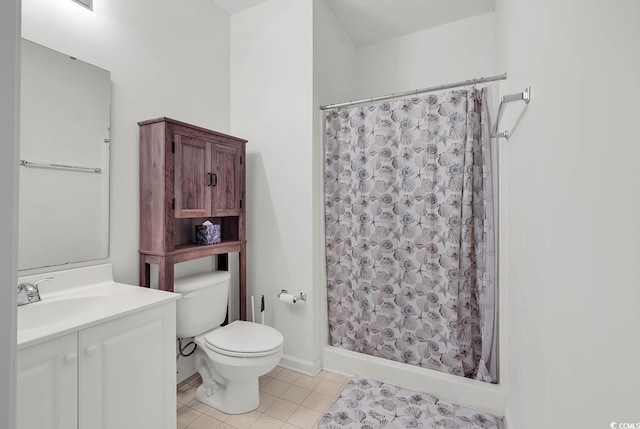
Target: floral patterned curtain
409,232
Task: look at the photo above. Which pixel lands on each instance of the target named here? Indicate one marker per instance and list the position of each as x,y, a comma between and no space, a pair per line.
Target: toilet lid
244,338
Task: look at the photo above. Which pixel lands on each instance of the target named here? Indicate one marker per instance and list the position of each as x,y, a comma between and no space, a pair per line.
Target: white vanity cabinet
119,374
47,384
127,372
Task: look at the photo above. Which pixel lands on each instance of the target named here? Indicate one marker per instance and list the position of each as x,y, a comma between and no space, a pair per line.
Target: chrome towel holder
25,163
524,96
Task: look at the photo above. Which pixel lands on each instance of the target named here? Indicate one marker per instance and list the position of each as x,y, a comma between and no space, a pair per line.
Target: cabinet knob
70,358
90,351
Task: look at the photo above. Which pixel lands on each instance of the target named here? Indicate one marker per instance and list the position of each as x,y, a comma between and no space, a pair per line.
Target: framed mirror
64,159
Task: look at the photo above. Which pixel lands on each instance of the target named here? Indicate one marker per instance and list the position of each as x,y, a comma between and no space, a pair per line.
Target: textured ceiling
371,21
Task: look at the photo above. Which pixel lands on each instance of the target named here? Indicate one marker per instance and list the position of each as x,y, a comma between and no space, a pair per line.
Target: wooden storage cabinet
207,178
188,175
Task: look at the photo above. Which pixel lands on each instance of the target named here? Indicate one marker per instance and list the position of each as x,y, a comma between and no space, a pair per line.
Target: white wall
335,68
166,59
449,53
271,107
9,122
572,196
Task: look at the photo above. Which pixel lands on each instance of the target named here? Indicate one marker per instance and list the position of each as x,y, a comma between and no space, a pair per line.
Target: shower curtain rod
417,91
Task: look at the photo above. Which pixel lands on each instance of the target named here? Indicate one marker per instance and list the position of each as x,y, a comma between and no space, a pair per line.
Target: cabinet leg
223,262
242,281
165,274
145,272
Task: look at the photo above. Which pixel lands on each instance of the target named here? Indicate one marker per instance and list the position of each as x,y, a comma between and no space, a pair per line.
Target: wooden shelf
210,249
187,252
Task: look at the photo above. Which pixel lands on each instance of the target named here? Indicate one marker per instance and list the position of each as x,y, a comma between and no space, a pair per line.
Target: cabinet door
128,372
47,385
227,164
193,177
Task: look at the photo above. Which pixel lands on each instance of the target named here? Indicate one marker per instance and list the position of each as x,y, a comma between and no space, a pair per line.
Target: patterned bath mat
370,404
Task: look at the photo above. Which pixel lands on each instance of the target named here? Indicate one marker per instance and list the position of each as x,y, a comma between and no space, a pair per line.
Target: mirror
64,159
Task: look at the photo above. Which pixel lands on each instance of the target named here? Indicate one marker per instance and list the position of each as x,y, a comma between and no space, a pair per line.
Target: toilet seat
244,339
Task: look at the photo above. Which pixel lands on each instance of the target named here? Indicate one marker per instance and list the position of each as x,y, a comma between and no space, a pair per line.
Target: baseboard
299,365
186,368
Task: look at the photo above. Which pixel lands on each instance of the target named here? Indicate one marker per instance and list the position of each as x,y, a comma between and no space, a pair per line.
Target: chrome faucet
28,292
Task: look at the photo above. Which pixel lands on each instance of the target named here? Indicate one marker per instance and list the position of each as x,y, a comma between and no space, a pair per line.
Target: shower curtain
409,232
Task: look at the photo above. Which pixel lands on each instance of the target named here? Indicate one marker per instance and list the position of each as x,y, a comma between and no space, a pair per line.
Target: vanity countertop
80,298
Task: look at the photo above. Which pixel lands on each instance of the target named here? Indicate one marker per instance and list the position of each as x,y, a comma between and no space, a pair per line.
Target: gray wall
9,89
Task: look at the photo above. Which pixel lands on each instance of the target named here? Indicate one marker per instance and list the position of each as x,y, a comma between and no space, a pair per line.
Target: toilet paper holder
301,296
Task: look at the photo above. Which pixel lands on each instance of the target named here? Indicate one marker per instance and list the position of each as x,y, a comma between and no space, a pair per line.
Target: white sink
46,312
77,299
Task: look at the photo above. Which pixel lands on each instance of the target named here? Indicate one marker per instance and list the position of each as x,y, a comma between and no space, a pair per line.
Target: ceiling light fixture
86,3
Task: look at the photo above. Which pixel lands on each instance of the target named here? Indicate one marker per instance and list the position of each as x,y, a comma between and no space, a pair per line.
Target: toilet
230,358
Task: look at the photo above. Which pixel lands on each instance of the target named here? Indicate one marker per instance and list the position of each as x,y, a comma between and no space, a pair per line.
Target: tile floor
288,400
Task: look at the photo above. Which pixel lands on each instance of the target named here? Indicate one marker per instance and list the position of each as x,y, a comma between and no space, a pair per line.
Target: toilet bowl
231,358
234,357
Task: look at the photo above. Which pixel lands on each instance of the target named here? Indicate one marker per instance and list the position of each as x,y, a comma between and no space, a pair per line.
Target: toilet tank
204,302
